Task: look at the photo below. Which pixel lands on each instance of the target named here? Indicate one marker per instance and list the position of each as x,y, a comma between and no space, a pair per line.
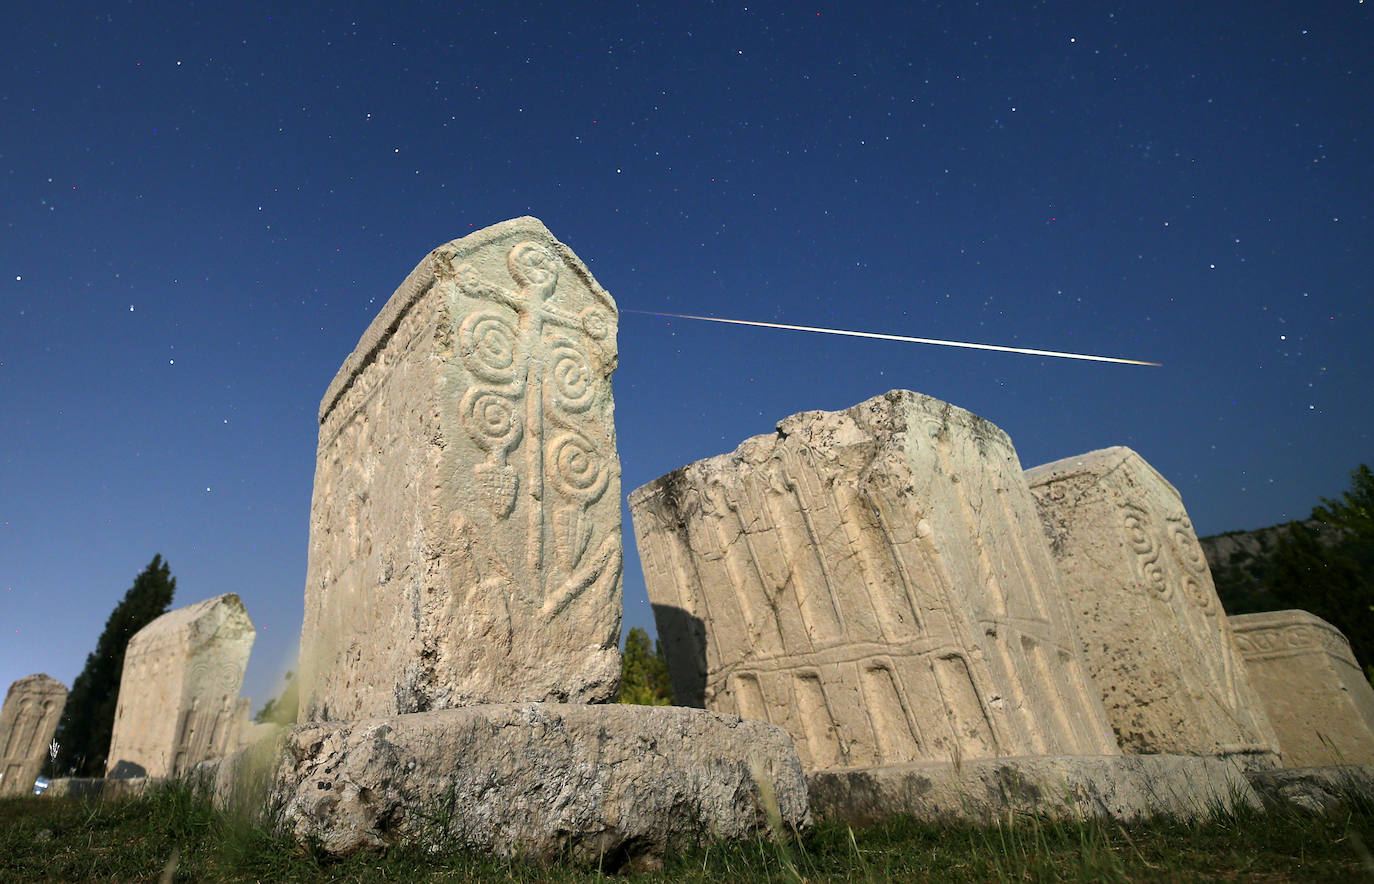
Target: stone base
1317,789
598,784
1119,787
103,787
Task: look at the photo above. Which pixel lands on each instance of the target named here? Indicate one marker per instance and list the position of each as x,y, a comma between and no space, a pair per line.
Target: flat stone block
1117,787
1317,789
597,784
1315,692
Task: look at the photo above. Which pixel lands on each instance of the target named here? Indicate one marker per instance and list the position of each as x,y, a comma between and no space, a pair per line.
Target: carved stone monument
873,580
179,693
28,720
1153,632
463,595
1318,699
465,528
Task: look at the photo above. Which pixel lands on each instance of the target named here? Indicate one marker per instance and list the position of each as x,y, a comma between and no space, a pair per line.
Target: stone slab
1313,689
1315,789
875,581
1118,787
607,784
28,720
1155,638
465,538
101,787
179,698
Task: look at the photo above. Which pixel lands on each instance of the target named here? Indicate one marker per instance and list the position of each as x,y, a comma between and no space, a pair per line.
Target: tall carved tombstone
28,720
1153,632
463,597
874,580
465,527
1318,699
179,694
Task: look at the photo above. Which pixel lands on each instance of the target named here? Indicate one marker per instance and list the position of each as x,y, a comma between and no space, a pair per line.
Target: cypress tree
644,673
83,734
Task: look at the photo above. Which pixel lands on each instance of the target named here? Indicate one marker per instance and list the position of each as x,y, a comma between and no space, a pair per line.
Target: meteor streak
910,340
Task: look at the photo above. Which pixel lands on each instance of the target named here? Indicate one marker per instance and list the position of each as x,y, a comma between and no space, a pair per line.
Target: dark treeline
1324,565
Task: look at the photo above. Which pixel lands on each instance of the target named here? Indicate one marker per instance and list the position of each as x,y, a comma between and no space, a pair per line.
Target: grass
170,834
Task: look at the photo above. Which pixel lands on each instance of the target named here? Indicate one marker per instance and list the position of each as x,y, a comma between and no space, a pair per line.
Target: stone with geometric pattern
1153,632
873,580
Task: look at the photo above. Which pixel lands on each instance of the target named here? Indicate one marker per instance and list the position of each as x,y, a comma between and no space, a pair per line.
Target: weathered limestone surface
28,719
1121,787
1317,697
1315,789
179,694
1153,632
873,580
465,528
605,784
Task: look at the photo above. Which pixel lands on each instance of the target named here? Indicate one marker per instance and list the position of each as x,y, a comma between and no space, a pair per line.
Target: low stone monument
1318,699
33,706
873,580
463,595
179,698
1153,631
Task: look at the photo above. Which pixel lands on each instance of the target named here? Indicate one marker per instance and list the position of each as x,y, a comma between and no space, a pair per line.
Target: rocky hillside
1240,562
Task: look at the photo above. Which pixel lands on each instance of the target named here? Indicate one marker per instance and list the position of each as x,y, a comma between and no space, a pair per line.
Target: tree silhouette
644,673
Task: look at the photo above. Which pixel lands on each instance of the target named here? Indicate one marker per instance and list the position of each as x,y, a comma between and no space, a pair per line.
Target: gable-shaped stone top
1278,631
419,281
38,683
219,619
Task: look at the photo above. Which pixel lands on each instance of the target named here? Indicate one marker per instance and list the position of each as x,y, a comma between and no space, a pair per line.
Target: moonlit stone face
875,581
1154,634
465,527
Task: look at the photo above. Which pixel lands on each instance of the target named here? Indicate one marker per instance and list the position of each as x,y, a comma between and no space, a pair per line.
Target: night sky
203,206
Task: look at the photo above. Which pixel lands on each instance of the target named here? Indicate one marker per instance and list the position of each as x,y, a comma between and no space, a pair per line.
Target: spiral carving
576,468
1186,542
491,419
489,346
574,386
209,676
1194,592
531,264
1136,533
596,323
1139,537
